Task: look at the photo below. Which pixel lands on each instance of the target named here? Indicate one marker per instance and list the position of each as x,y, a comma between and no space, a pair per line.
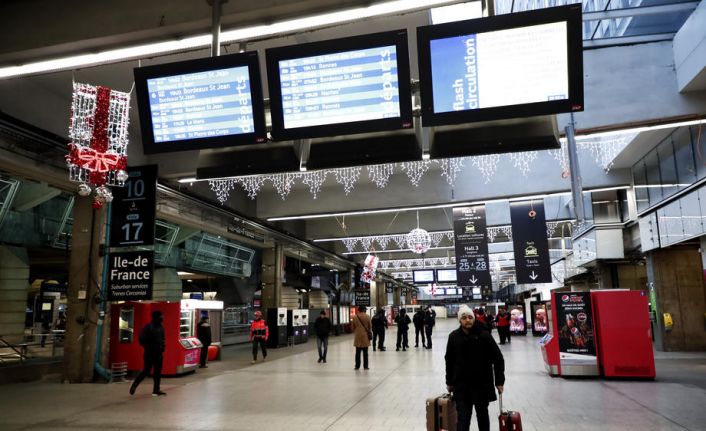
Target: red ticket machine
623,333
181,353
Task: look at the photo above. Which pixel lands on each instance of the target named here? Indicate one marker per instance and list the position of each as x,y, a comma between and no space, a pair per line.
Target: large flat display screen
446,275
506,66
345,86
423,276
212,102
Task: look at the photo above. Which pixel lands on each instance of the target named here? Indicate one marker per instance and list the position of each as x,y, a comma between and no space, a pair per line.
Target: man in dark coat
203,333
475,368
379,328
429,322
403,323
418,320
152,340
322,327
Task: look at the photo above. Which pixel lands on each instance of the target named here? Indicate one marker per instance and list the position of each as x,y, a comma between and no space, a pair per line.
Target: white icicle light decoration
523,160
380,174
487,164
314,179
347,177
415,170
450,169
222,189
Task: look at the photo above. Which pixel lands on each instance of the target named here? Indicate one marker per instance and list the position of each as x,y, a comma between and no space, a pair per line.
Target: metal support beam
639,11
576,186
216,12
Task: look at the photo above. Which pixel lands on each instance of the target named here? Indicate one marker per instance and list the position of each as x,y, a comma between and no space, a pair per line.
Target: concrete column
272,270
14,283
83,297
166,285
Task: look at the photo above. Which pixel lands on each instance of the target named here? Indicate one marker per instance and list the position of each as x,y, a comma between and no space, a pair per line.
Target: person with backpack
379,328
403,321
152,340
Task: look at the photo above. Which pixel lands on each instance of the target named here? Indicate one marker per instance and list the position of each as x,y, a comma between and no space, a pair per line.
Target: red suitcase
509,420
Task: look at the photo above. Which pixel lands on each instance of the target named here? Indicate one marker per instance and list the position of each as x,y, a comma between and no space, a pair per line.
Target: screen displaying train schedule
500,68
342,87
204,104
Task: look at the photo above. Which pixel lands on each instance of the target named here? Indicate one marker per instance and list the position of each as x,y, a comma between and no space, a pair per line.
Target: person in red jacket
259,332
502,321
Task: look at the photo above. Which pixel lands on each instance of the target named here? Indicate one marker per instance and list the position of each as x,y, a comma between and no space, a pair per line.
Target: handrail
21,353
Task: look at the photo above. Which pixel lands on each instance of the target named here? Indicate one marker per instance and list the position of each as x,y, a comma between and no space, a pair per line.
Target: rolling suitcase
441,413
509,420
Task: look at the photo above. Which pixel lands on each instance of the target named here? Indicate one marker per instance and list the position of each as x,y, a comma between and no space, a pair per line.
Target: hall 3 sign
130,275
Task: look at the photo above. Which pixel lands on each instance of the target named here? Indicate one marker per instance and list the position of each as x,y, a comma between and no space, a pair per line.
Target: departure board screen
201,105
343,87
500,68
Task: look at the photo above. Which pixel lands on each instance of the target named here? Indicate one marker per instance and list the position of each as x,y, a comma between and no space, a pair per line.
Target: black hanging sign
388,287
130,275
471,243
529,239
133,208
362,297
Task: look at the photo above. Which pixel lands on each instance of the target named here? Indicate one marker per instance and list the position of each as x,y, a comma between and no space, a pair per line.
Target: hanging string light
222,189
283,183
347,177
314,179
523,160
415,170
252,185
604,149
350,243
380,174
418,240
487,164
450,168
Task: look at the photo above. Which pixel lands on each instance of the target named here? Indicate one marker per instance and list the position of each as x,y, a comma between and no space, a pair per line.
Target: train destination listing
500,68
201,105
343,87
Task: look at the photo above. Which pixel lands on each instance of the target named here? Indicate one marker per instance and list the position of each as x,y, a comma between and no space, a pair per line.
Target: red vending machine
623,333
181,353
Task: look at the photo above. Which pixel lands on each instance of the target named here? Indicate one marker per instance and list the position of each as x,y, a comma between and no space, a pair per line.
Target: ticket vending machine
181,352
623,333
304,316
277,324
294,325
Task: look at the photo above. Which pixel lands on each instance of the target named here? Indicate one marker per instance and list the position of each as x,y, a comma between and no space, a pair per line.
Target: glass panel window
126,325
667,168
640,179
684,157
654,186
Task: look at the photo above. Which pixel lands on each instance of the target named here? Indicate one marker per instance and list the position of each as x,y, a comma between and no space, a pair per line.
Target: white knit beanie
464,310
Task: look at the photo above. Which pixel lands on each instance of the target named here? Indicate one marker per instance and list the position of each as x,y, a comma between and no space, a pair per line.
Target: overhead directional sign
529,239
133,208
471,243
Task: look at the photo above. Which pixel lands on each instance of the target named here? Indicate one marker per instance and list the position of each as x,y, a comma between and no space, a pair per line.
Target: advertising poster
538,314
471,244
518,320
574,320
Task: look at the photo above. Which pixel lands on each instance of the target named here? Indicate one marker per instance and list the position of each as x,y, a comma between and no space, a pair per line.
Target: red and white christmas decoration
370,268
99,138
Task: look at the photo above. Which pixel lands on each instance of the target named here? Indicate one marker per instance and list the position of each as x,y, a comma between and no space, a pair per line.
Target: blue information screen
500,68
343,87
201,105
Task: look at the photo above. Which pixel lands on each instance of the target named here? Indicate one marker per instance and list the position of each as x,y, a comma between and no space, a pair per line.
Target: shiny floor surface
291,391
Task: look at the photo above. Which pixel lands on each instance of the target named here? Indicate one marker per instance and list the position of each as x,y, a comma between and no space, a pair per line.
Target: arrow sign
474,280
533,276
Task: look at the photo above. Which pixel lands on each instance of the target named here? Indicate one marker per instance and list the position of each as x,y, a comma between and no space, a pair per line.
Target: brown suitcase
509,420
441,413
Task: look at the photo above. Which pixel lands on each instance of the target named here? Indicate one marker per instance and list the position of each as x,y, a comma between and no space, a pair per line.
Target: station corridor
291,391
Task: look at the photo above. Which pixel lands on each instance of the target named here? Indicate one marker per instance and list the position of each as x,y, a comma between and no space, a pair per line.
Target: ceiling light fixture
201,41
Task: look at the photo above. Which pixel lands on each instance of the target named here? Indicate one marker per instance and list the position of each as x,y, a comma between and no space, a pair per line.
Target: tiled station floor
291,391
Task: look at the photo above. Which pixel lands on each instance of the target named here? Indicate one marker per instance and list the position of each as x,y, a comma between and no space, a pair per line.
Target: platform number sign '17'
133,208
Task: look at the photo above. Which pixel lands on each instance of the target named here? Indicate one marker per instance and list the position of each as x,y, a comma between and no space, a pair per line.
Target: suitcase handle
500,403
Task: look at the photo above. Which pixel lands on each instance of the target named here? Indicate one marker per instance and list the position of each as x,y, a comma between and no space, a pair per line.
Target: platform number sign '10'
133,208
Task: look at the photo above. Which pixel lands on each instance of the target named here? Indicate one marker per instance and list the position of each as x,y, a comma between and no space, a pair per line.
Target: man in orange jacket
259,332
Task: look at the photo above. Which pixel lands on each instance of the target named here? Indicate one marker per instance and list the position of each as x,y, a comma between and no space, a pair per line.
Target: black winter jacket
203,333
379,323
418,319
152,338
474,364
403,322
322,326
